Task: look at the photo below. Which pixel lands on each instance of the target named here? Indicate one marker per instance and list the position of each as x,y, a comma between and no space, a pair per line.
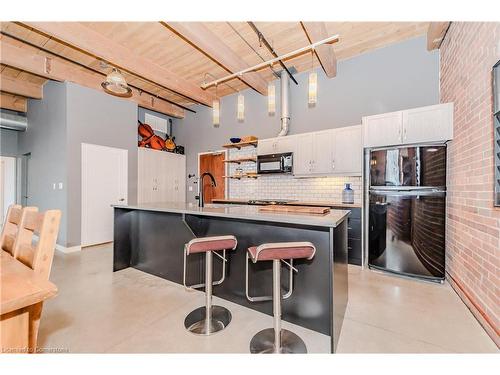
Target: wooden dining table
22,294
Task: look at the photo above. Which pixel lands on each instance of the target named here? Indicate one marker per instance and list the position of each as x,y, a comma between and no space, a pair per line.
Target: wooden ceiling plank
14,103
210,44
317,31
96,44
19,87
435,34
33,63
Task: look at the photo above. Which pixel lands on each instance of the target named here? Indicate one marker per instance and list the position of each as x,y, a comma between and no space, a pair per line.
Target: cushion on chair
282,250
204,244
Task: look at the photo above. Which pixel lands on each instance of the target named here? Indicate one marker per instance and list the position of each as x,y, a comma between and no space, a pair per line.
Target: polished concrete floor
129,311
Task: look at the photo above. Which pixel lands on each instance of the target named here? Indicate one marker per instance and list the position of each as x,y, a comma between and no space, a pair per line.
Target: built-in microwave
275,163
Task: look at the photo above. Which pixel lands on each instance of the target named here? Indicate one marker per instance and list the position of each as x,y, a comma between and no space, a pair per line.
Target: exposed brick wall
473,224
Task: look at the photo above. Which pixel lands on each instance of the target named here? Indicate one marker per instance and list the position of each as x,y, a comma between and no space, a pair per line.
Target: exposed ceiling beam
86,39
211,45
436,33
14,103
316,31
18,87
45,66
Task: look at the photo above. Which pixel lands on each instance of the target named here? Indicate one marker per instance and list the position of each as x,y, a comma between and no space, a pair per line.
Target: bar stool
210,318
276,339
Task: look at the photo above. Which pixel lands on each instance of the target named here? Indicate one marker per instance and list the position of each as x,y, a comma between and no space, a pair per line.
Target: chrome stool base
196,321
263,343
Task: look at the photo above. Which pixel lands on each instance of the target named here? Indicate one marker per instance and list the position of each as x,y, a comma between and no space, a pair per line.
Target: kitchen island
151,237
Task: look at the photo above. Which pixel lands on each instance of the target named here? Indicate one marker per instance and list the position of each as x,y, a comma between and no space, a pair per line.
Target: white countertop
244,212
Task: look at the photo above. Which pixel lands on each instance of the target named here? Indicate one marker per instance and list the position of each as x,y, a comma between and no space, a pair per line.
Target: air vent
157,123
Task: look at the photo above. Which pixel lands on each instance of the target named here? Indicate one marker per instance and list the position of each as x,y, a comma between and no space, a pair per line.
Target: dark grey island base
151,238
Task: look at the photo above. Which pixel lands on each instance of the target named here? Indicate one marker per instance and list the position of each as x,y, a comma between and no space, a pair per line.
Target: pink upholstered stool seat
282,250
216,243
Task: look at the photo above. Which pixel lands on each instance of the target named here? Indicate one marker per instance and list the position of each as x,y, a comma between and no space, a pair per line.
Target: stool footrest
268,298
202,285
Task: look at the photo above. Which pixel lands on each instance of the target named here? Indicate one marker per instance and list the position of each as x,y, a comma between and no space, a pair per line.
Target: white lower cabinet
161,176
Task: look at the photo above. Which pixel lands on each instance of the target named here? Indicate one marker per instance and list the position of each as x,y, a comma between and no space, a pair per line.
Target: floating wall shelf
239,177
241,144
242,160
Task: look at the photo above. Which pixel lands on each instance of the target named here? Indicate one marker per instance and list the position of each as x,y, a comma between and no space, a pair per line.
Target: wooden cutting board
295,209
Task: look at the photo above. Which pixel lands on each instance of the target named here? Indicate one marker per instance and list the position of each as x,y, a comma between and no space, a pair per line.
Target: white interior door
104,182
7,185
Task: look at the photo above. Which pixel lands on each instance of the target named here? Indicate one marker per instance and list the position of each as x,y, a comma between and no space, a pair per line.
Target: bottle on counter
347,194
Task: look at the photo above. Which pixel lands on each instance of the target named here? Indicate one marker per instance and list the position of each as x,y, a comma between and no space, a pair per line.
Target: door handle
122,199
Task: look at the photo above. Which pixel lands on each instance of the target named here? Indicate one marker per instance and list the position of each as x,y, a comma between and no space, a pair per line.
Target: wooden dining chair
10,228
34,247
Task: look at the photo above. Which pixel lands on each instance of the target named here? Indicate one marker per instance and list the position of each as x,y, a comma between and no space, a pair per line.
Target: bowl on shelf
235,140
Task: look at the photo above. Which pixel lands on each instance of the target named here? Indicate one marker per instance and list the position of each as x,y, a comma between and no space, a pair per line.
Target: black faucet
201,202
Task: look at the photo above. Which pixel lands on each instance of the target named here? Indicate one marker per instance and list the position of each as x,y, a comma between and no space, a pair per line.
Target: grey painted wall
68,116
97,118
8,142
45,139
400,76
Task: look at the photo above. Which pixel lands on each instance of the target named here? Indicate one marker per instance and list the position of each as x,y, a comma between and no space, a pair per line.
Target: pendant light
115,84
241,108
216,110
313,84
271,99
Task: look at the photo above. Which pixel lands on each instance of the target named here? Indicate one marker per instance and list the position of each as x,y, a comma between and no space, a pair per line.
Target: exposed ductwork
285,103
13,121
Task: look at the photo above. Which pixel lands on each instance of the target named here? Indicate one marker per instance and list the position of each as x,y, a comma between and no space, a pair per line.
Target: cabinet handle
404,134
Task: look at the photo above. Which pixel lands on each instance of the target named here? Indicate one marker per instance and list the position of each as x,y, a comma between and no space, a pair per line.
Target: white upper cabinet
329,152
303,155
419,125
383,130
322,150
348,151
276,145
428,124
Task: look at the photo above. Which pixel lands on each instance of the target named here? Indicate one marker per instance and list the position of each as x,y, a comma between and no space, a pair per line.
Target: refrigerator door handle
402,193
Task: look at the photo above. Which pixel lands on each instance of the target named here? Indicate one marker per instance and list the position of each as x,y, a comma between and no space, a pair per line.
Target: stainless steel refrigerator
407,199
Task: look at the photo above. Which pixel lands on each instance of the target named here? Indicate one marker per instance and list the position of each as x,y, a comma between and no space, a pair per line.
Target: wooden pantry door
213,163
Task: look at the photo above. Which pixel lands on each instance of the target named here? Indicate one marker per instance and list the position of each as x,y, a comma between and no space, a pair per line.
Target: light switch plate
60,185
190,188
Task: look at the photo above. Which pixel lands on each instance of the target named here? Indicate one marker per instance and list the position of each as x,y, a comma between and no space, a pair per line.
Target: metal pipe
277,304
208,290
271,49
13,121
272,61
285,104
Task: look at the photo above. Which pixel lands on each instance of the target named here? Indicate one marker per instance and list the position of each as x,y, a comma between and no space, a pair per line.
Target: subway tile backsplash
278,186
